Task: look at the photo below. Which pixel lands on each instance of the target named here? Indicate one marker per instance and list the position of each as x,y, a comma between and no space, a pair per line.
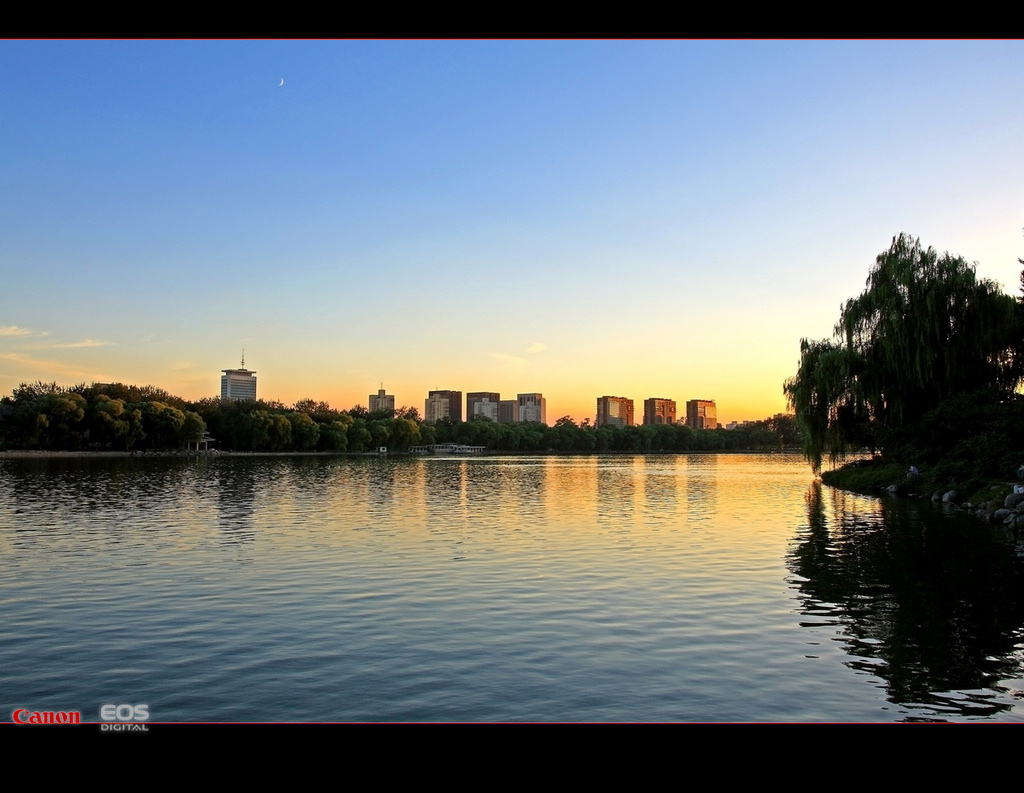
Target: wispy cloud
52,369
71,345
537,346
14,330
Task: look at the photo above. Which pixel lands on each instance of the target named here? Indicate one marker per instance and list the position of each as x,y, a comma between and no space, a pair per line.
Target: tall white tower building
238,383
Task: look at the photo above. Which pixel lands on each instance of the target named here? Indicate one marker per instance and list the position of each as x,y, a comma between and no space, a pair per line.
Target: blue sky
576,218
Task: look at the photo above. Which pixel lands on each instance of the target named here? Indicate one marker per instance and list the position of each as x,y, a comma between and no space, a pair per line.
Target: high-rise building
482,403
382,402
613,410
532,407
659,411
508,411
435,407
238,384
701,414
453,408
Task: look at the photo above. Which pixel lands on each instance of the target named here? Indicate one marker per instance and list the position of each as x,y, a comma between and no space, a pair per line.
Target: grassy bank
866,476
879,473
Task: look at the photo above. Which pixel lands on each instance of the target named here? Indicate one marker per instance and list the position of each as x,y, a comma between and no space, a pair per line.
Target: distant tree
161,424
307,406
108,425
333,436
26,392
404,433
304,431
194,427
52,420
664,437
428,435
444,429
359,437
280,432
253,430
408,413
380,431
1020,299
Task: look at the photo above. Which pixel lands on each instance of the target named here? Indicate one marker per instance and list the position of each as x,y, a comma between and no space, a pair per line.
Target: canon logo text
25,716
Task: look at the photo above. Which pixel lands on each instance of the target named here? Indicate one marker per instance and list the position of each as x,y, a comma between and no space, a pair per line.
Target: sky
635,218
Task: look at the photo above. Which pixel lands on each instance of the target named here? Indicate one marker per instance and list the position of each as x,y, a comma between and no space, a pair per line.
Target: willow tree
925,329
829,407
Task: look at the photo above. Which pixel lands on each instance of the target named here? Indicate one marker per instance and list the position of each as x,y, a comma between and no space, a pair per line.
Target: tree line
121,417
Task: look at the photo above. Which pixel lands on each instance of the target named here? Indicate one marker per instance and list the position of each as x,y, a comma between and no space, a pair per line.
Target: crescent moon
280,83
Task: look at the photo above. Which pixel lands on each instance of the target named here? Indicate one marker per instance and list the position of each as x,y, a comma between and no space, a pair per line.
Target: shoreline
992,500
42,454
29,454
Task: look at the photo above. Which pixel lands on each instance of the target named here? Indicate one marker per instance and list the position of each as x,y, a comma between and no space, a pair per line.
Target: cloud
52,369
72,345
13,330
537,346
86,343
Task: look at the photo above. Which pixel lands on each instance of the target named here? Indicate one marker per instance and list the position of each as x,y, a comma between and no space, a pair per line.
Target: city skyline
241,384
582,218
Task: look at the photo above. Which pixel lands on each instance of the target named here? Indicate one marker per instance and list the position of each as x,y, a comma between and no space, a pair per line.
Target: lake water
549,588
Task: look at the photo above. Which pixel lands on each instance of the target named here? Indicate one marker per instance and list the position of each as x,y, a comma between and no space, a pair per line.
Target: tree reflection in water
928,600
